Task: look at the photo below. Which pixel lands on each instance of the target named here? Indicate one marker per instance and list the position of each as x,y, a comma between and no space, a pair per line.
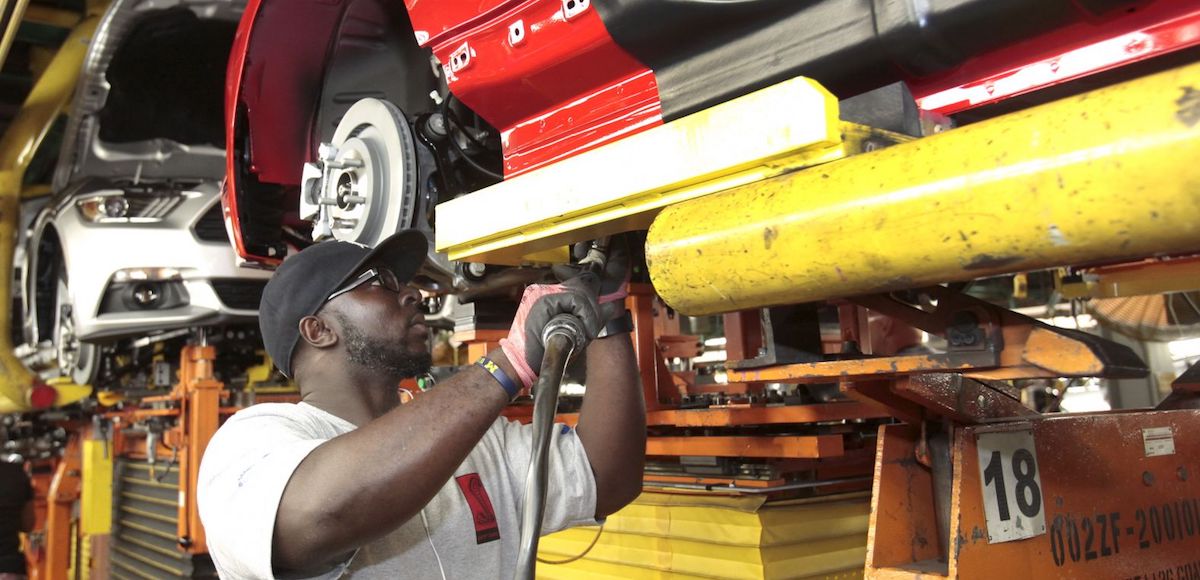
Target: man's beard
385,356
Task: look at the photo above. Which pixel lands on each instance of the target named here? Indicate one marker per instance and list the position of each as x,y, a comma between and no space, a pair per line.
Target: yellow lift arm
49,96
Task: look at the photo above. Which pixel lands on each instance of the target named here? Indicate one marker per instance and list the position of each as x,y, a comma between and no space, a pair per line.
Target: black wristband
622,324
510,386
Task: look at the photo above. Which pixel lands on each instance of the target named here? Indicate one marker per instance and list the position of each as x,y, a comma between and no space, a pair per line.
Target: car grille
211,226
152,206
239,294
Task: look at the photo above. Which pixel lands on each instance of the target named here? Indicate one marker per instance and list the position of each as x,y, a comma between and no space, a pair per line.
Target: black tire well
47,264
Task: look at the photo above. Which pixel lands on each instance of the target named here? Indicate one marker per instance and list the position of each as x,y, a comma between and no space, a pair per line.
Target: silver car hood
84,154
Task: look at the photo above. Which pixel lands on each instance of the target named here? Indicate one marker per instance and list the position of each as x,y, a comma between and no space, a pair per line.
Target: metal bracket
1185,391
1021,347
987,344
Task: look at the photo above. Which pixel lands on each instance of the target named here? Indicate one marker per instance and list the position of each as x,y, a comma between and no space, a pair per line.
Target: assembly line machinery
778,228
971,483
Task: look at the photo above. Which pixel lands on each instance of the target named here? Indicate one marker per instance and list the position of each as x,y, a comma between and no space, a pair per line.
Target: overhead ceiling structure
33,31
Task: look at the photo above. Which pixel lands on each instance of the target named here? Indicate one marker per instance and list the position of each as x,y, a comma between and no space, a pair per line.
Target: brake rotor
374,175
76,359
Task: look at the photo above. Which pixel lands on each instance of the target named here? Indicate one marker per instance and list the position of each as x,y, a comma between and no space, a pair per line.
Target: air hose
562,336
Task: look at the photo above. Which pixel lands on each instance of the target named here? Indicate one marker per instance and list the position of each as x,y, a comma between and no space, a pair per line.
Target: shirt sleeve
571,485
243,474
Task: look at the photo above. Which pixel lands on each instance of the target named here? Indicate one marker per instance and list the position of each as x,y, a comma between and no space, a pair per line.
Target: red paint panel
433,18
626,107
555,84
280,83
275,80
236,65
1063,55
233,84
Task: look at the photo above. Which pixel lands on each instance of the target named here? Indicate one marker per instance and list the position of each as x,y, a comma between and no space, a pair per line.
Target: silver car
133,241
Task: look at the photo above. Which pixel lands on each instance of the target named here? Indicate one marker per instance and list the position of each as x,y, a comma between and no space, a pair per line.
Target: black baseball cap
302,283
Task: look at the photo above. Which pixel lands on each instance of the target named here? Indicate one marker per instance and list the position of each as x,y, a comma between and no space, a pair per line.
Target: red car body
558,77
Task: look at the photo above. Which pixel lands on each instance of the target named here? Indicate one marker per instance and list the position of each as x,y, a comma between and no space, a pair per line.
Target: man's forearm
612,423
360,486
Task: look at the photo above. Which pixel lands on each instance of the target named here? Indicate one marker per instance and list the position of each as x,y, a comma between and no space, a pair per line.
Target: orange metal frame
809,446
64,491
928,518
196,404
1098,474
657,339
35,544
1112,511
200,396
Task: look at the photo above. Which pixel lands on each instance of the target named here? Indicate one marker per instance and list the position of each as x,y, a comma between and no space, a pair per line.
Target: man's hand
539,305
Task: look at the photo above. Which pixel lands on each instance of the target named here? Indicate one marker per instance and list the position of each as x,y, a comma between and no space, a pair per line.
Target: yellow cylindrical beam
1108,175
49,95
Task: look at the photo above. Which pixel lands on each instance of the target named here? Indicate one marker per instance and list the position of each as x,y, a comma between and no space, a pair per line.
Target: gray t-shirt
473,521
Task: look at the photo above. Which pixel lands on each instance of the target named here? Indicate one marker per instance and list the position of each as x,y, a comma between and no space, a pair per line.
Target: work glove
542,302
614,278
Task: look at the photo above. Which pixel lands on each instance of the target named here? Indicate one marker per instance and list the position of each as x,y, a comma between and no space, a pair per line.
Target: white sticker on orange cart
1158,441
1012,486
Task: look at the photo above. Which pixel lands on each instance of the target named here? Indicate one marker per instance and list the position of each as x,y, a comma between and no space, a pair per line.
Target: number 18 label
1012,488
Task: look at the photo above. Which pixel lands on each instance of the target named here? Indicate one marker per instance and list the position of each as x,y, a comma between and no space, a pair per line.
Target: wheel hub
76,359
363,186
68,345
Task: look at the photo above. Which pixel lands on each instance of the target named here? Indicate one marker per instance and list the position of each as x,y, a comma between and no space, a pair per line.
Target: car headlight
127,206
103,207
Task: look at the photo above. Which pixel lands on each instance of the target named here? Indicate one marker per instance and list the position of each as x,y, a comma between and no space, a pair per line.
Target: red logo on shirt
487,529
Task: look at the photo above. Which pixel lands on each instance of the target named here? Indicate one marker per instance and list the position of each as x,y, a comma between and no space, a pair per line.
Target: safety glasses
376,276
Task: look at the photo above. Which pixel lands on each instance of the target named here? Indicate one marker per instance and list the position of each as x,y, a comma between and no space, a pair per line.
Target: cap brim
403,253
